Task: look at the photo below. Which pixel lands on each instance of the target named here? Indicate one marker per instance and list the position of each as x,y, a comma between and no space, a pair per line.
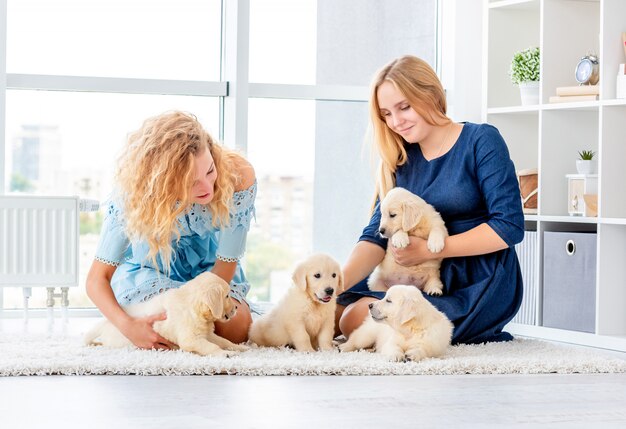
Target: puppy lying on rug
403,325
305,317
191,311
404,214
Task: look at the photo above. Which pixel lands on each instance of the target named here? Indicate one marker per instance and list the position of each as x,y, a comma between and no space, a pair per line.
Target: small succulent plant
586,155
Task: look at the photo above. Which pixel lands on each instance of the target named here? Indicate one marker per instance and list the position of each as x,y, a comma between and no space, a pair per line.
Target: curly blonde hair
156,173
419,83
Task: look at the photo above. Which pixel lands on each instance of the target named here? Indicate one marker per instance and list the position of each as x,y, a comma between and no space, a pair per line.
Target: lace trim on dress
108,262
153,287
225,259
243,205
148,289
200,217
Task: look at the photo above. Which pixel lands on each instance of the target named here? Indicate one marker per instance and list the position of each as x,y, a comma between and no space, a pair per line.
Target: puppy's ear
411,215
407,310
215,301
299,276
339,281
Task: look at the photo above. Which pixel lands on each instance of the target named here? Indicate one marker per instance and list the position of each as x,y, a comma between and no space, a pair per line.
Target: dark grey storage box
569,280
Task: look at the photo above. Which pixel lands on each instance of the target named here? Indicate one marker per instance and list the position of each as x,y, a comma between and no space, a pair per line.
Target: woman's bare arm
364,258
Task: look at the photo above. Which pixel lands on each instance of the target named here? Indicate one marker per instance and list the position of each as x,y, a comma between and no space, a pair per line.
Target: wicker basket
529,189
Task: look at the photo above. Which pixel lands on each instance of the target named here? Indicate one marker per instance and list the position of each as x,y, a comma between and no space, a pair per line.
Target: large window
283,41
82,75
282,149
156,39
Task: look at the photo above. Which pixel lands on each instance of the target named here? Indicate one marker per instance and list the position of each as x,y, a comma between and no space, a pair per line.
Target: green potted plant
585,164
524,72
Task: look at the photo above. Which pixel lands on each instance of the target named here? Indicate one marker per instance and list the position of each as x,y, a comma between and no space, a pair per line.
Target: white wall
461,57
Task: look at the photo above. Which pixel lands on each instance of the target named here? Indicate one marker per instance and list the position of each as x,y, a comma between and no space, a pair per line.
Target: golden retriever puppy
191,311
305,317
403,325
404,214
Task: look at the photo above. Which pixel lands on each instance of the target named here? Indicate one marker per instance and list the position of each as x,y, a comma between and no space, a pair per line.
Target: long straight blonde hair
156,173
419,83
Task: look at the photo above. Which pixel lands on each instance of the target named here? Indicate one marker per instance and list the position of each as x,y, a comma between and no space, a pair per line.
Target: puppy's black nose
329,290
382,231
371,305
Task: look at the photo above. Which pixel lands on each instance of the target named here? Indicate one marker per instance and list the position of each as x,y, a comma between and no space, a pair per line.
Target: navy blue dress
473,183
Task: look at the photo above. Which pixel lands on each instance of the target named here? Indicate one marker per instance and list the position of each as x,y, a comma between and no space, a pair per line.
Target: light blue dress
201,244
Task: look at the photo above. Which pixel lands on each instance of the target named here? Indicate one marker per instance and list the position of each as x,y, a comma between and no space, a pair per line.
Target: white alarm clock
587,70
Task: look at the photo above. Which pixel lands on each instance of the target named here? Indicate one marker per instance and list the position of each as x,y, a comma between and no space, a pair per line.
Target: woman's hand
142,334
415,253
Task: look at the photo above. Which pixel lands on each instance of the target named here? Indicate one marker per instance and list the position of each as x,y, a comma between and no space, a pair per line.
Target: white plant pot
586,166
529,92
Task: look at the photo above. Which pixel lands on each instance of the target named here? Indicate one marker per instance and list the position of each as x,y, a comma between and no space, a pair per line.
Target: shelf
578,105
614,102
567,219
548,136
574,219
515,4
612,221
514,109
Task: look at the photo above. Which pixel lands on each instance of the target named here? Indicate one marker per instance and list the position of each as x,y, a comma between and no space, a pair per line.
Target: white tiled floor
300,402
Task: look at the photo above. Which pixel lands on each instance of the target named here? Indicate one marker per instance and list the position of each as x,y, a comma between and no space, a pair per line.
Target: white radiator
39,244
528,259
39,241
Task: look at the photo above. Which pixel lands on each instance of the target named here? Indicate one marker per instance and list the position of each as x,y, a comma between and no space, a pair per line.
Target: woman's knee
236,329
354,315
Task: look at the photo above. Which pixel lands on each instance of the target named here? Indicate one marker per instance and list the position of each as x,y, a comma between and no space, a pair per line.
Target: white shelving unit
548,137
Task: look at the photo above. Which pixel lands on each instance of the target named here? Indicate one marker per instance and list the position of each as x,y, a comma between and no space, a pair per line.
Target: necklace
445,139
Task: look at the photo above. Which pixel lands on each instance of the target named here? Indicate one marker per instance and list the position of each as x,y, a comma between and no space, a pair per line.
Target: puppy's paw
377,286
400,240
415,354
436,242
346,347
433,291
305,349
222,353
395,356
239,348
433,287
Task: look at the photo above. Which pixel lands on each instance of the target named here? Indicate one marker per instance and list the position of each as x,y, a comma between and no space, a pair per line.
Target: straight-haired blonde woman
182,206
465,172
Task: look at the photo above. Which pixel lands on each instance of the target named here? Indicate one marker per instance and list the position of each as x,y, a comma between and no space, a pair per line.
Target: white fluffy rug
44,355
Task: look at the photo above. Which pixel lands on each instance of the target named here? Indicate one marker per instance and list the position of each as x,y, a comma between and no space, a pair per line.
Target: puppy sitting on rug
404,214
403,325
305,317
191,311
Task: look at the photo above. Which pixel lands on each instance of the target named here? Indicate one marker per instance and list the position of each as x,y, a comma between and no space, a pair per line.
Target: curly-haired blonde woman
464,170
182,206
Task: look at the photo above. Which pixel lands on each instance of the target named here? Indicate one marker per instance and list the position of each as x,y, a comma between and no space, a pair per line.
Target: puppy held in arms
191,312
305,316
404,215
402,325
